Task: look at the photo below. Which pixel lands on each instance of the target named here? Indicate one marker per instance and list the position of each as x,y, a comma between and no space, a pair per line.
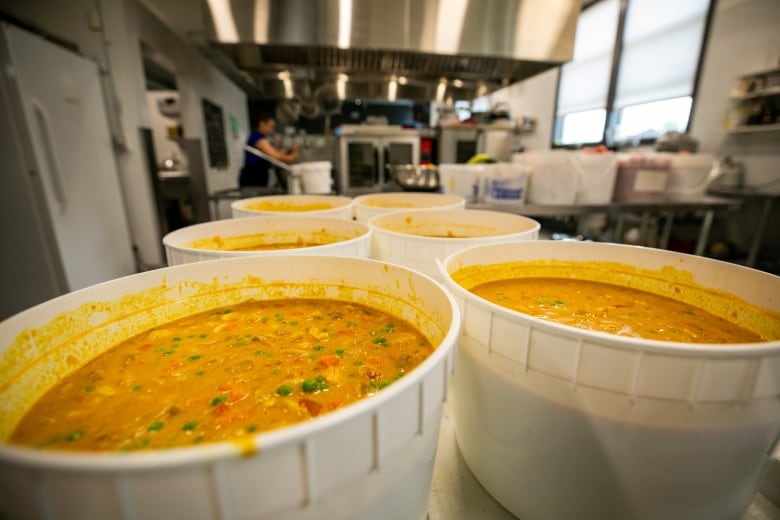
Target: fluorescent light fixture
392,88
341,85
441,89
345,23
224,23
287,83
450,21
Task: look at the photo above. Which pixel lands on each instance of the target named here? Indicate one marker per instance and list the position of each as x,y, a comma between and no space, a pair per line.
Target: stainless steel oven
365,151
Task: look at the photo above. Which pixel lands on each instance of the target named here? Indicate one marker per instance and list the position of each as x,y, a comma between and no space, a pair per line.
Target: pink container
641,178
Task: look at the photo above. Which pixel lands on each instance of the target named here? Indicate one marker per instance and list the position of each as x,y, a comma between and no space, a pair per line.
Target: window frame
617,52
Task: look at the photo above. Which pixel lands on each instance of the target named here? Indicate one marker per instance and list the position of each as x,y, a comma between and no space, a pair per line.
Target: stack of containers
690,174
465,180
642,177
506,182
596,175
568,177
553,176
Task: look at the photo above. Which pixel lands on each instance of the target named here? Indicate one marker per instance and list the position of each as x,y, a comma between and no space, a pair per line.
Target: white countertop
457,495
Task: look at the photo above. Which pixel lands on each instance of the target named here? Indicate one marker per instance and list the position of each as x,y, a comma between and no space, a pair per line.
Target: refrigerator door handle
50,153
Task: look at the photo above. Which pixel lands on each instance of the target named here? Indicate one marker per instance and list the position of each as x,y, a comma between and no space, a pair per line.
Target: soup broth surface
263,242
225,374
288,206
613,308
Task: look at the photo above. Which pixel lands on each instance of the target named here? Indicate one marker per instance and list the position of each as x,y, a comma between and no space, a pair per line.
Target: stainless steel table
667,209
766,197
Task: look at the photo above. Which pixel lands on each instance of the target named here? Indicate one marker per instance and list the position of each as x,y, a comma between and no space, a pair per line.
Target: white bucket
419,239
597,173
327,236
558,422
371,459
690,174
463,179
553,177
315,176
288,205
506,182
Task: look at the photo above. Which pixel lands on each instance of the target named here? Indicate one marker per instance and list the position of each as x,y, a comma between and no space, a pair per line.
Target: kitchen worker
255,169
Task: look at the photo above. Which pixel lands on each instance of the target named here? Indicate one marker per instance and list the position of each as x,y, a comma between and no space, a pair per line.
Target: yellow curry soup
613,308
288,206
266,241
225,374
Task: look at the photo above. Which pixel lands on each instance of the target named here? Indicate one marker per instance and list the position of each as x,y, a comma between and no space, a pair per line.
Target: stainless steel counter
666,209
767,197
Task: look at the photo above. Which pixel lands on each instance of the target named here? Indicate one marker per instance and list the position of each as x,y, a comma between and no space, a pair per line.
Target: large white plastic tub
372,459
690,174
569,177
373,204
352,238
314,176
336,206
558,422
418,239
466,180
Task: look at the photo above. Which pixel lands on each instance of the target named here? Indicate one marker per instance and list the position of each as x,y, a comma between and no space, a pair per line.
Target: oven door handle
377,167
481,141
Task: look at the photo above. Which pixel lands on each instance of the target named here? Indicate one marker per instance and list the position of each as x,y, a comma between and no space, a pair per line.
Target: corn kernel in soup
613,308
225,374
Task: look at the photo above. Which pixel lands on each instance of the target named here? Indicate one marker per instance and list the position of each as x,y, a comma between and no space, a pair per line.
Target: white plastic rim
417,239
628,427
373,457
338,206
354,237
373,204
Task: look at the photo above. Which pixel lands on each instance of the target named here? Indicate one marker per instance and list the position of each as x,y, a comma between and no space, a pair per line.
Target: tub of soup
253,387
287,205
418,239
609,381
373,204
263,236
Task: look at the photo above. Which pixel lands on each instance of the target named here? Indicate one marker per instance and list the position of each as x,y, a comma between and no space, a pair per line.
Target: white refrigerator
64,225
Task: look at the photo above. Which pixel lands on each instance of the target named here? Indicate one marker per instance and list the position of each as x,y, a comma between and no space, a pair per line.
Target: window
633,72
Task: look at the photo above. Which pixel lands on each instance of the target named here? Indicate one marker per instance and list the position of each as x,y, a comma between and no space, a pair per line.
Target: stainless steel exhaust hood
420,50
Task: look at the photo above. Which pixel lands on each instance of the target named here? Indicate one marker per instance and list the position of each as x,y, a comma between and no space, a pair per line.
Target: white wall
534,97
744,38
